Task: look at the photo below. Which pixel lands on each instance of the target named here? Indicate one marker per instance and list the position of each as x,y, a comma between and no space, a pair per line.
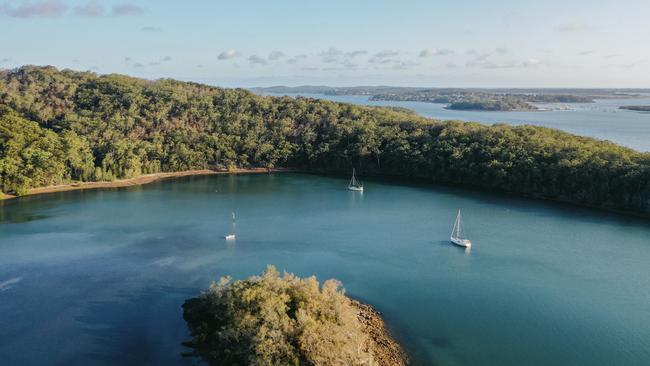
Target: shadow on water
146,327
518,203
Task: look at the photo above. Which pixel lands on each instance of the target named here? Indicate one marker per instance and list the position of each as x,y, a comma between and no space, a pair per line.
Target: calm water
98,277
602,119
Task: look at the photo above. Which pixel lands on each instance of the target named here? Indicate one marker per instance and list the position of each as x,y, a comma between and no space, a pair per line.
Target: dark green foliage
492,104
481,99
124,127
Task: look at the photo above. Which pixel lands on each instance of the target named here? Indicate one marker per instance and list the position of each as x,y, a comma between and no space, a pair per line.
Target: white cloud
331,55
126,9
229,54
43,9
353,54
91,9
386,54
276,55
435,52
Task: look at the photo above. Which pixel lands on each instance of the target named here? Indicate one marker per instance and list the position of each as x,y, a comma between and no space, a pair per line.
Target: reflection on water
100,278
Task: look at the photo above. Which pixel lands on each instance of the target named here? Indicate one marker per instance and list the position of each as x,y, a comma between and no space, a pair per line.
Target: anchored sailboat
231,236
354,184
457,235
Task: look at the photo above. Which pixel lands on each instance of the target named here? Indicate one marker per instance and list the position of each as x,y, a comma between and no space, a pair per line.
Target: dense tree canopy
57,126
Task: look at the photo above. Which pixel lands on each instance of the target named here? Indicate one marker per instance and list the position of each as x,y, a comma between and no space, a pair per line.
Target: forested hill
57,126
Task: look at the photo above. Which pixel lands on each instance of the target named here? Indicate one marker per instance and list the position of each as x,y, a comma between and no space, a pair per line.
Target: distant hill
62,126
638,108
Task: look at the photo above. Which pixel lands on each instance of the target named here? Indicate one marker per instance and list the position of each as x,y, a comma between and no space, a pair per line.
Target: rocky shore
386,351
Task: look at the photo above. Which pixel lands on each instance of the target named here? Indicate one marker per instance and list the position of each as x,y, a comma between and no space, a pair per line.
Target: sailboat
231,236
457,236
354,184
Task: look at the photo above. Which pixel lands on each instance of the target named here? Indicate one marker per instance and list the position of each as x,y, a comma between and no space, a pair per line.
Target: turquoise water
98,277
602,119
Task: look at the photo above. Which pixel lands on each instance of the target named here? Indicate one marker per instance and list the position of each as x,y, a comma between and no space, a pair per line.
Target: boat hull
465,243
229,237
355,189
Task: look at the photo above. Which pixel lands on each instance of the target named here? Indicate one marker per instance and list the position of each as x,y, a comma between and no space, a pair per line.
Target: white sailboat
457,235
354,184
231,236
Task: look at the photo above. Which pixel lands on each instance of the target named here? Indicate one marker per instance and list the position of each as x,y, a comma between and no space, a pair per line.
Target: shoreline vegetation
276,319
470,99
61,126
636,108
142,180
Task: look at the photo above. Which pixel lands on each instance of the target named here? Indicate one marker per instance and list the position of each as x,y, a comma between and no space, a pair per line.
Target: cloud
386,54
612,55
126,9
150,29
384,57
405,65
435,52
155,63
572,27
43,9
91,9
451,65
296,58
586,52
276,55
138,65
501,51
349,64
492,65
167,59
486,64
229,54
256,60
353,54
531,62
331,55
5,60
127,59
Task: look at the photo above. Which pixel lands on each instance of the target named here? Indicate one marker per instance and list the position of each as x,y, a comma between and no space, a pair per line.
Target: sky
244,43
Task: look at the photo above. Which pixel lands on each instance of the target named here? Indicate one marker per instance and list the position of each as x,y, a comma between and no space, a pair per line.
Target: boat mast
460,235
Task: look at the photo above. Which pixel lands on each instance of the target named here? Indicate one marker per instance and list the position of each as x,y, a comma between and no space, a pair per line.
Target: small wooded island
637,108
276,319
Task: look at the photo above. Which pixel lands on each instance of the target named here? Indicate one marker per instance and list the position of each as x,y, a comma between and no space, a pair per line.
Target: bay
99,277
602,119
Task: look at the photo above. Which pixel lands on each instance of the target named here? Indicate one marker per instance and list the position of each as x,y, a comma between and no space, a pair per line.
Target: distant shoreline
142,180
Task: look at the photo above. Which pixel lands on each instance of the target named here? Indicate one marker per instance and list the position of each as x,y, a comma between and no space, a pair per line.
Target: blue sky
499,43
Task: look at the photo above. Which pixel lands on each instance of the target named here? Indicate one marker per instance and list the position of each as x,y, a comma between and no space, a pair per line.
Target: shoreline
141,180
387,351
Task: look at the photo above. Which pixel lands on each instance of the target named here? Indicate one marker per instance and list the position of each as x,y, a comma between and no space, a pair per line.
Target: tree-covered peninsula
62,126
636,108
276,319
